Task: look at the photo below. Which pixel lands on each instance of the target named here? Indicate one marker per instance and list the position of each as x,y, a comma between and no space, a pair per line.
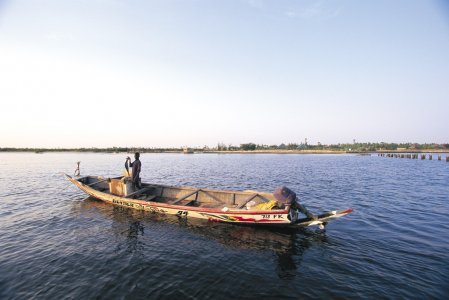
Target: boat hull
274,217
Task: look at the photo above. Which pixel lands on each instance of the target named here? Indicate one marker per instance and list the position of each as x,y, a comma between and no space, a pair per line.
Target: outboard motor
288,197
285,195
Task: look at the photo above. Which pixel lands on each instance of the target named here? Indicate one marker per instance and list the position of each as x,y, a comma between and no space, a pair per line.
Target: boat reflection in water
288,245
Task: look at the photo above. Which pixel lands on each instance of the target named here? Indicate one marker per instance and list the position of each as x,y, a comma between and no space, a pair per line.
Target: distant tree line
93,149
349,147
357,147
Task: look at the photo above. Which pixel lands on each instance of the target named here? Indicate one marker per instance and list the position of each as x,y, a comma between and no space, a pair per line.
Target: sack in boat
284,195
265,206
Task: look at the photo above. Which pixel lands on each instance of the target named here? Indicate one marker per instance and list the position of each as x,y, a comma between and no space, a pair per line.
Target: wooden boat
213,205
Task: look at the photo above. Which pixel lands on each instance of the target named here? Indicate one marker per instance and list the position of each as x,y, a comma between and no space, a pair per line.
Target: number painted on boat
182,213
273,216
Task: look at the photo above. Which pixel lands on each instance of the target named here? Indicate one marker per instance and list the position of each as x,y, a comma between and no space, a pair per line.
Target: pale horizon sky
105,73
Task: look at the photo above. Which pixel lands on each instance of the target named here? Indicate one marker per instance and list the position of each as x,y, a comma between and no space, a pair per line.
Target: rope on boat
68,185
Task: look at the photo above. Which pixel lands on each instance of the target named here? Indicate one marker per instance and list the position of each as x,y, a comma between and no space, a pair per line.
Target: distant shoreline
158,151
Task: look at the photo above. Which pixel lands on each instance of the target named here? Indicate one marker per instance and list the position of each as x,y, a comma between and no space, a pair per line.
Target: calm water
56,243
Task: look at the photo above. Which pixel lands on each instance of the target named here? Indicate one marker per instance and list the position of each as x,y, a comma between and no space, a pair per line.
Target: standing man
136,167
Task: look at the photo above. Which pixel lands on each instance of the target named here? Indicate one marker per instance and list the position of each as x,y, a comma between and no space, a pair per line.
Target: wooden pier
423,156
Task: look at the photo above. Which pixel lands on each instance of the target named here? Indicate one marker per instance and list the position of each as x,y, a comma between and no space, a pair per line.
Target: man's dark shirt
136,165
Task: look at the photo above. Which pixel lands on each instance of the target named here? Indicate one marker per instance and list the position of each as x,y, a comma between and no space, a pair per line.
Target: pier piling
415,156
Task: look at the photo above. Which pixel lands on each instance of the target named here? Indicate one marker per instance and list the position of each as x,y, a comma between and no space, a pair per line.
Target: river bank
276,151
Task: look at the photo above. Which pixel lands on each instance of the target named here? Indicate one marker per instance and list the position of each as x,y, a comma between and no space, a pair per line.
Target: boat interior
183,196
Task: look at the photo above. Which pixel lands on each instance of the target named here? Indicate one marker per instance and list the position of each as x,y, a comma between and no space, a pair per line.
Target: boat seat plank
185,202
102,180
251,197
99,181
141,191
184,197
150,198
213,197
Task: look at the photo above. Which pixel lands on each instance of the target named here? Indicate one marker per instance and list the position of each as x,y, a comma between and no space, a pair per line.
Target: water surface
57,243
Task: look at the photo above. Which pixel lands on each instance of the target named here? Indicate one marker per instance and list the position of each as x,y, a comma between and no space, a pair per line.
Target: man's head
136,155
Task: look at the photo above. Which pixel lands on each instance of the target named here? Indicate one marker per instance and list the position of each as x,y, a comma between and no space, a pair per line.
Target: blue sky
171,73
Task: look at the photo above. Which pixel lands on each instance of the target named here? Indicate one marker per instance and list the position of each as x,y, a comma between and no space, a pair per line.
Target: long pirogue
237,207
